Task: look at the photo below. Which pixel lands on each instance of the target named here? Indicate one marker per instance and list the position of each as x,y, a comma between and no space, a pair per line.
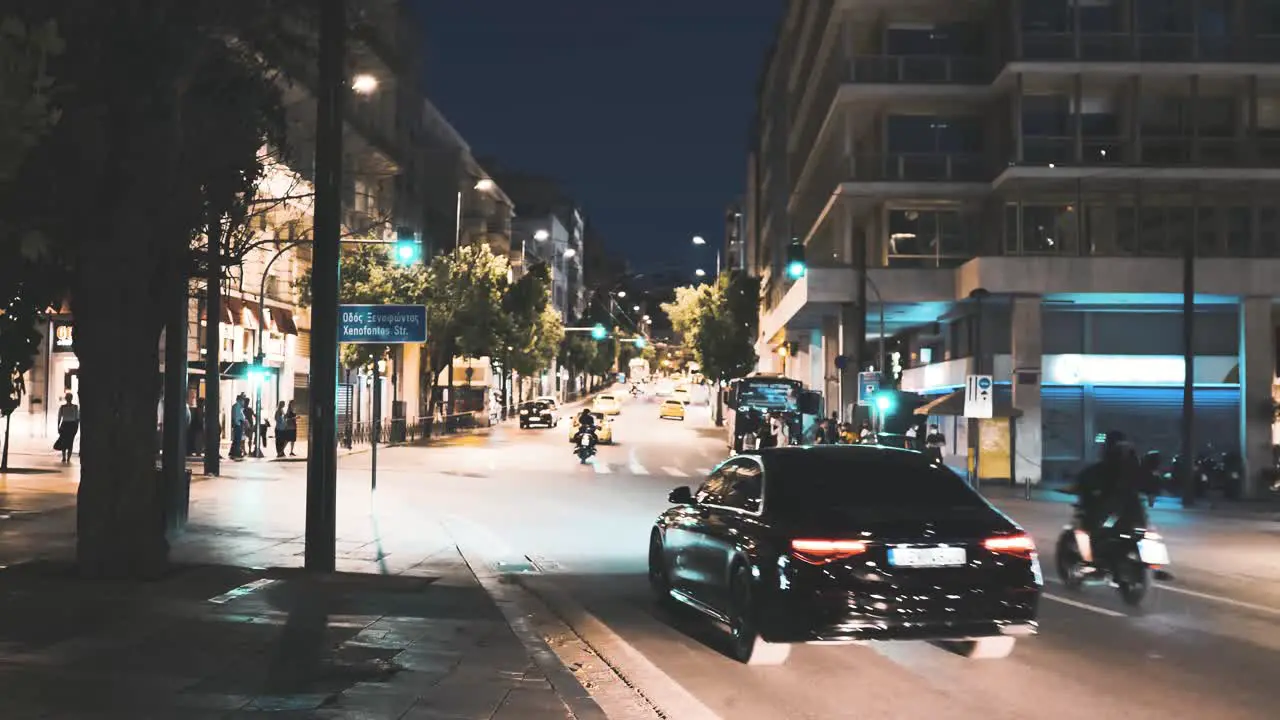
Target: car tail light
1020,545
820,552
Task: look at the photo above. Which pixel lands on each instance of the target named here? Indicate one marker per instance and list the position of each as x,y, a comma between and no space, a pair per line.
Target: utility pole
1188,363
322,450
376,436
213,350
174,454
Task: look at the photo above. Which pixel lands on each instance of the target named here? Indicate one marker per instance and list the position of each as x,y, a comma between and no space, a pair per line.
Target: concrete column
830,374
1257,373
410,368
1026,349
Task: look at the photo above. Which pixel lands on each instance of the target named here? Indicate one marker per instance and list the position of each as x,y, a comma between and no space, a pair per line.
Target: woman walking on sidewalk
68,426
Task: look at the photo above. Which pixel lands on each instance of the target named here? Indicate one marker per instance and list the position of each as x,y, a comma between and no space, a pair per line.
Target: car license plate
927,557
1153,552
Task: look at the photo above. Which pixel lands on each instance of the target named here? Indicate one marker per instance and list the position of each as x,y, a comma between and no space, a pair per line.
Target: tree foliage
718,323
534,329
371,277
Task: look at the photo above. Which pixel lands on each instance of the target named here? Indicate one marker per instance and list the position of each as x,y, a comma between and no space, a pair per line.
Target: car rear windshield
606,398
842,483
534,406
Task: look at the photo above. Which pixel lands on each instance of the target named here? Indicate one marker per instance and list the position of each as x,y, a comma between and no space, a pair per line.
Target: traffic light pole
322,450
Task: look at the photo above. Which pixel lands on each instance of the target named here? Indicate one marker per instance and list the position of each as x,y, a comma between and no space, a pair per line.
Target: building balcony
919,70
920,167
1180,48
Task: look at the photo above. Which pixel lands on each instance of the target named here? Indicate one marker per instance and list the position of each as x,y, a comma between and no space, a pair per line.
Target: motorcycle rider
1110,488
587,425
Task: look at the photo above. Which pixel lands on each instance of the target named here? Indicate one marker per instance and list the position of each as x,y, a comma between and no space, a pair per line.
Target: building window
928,238
1047,229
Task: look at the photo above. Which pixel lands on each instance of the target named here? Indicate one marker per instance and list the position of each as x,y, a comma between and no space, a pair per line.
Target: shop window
1100,230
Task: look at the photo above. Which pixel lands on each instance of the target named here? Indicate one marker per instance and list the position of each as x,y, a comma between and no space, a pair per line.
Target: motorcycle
1127,559
586,446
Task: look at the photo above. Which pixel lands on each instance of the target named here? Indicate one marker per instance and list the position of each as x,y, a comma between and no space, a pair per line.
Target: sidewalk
236,629
1238,509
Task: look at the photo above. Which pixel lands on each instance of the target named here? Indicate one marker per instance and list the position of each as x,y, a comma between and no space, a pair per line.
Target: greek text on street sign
979,396
379,324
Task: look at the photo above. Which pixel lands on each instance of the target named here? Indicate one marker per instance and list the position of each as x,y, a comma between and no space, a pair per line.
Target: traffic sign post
382,324
979,397
868,386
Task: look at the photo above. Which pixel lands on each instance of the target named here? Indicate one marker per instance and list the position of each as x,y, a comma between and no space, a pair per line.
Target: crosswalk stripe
637,469
675,472
602,468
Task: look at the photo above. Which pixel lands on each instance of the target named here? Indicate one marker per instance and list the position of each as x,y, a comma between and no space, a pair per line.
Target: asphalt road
1205,646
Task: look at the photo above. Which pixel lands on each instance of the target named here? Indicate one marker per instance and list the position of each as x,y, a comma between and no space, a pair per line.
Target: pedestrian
68,426
195,431
237,427
833,429
291,427
934,442
282,436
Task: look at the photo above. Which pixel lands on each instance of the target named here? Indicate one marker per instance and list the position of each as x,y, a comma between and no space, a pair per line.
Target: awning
952,405
281,321
233,310
226,312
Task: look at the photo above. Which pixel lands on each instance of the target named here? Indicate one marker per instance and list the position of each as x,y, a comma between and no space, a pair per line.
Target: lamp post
699,240
379,368
483,185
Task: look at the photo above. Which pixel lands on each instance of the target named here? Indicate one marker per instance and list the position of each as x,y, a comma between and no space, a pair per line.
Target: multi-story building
1019,179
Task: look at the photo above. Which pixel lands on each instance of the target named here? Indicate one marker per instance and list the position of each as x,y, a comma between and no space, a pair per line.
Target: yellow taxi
671,409
682,394
604,429
607,404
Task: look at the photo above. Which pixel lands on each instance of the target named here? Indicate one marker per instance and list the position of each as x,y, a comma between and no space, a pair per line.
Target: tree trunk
4,453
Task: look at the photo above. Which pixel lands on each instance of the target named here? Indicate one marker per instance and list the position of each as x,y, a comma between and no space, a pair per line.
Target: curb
571,692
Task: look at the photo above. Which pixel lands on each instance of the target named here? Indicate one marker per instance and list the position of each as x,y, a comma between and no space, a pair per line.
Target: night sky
641,107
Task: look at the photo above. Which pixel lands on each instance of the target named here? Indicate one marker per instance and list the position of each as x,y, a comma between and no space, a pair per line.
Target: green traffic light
795,269
640,343
407,251
883,403
598,332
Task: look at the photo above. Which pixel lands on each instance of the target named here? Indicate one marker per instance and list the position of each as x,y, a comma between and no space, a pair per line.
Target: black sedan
538,413
845,543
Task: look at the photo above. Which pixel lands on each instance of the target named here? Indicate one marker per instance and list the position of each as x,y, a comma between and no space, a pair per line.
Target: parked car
841,543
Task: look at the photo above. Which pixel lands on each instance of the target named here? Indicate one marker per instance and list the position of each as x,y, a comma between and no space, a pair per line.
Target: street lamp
635,308
699,240
700,272
622,293
485,185
570,253
364,84
541,234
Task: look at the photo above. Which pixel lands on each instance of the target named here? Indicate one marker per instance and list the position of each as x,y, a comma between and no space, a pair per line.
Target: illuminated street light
364,84
570,253
541,235
699,240
485,185
622,293
700,272
635,308
645,318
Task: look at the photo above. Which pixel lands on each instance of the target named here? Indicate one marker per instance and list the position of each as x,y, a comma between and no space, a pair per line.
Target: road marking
634,465
601,468
1082,606
1218,598
703,471
674,472
241,591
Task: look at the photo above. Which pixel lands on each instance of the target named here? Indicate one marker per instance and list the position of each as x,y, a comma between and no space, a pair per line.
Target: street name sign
868,386
382,324
979,396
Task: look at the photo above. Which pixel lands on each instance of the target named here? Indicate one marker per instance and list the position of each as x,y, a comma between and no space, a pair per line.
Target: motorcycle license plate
1153,552
927,557
584,441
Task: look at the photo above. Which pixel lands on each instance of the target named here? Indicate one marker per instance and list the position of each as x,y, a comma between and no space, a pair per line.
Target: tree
150,145
463,295
718,323
727,329
534,329
370,277
26,115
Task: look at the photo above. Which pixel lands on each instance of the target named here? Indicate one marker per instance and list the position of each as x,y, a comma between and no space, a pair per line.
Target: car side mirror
681,496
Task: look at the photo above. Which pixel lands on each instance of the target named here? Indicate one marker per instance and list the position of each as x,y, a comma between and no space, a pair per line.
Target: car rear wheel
748,646
991,648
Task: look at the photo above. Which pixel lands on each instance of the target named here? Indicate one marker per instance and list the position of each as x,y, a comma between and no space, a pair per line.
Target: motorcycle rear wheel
1068,560
1133,579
